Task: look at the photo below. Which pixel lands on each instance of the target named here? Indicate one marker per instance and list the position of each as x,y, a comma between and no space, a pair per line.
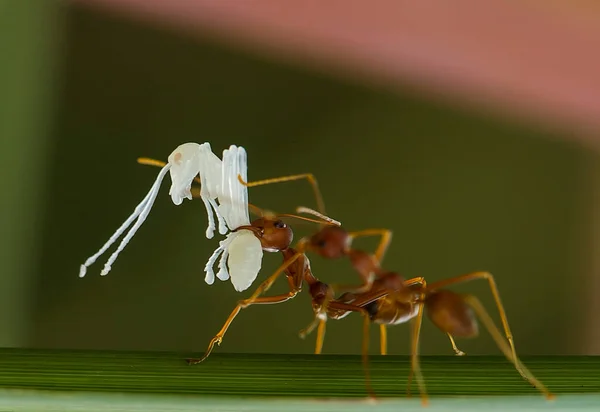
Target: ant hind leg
473,302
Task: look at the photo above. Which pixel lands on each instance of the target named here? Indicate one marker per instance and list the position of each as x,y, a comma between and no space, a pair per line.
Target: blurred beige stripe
531,59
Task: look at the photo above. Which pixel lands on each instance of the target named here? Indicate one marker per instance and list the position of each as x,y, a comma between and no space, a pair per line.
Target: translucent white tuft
141,212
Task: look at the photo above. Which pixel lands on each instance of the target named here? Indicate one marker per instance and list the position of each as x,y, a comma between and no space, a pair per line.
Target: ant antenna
256,210
326,220
303,209
148,161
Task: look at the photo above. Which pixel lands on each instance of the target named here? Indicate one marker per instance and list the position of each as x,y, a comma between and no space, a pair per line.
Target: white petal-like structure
233,196
244,260
241,252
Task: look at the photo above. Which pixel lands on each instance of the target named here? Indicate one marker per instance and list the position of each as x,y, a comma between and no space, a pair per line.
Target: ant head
330,242
273,233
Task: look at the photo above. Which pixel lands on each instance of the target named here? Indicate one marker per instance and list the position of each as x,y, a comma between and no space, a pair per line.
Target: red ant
393,300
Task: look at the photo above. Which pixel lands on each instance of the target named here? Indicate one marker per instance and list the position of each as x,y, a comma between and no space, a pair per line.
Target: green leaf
279,382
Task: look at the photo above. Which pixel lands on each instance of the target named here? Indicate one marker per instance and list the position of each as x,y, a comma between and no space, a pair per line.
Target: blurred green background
462,191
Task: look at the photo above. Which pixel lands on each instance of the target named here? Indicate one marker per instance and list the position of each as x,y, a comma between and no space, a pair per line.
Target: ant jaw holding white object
187,163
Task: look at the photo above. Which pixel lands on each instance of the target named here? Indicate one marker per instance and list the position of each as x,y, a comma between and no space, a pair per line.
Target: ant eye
321,243
279,224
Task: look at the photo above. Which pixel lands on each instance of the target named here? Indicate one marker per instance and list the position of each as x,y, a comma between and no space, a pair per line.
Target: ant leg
308,330
421,281
365,344
320,337
383,339
454,347
491,327
360,289
271,279
384,243
241,305
490,278
416,281
308,176
415,365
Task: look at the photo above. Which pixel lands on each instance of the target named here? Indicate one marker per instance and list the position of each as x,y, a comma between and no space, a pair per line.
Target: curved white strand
92,259
223,273
210,229
208,268
138,223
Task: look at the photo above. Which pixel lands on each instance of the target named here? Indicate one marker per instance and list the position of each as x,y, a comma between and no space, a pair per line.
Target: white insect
240,250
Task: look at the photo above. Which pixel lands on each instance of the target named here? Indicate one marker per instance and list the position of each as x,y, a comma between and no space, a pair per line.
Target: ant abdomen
451,314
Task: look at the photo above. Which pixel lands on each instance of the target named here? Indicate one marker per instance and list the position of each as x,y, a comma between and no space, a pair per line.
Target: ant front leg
269,300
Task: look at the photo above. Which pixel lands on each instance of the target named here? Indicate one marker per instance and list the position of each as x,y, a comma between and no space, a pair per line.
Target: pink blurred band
532,59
